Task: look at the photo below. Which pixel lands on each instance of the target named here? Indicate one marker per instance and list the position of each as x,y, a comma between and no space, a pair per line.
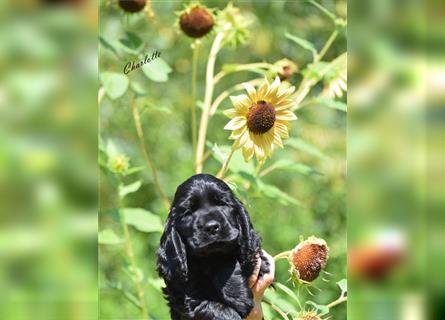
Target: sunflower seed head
261,117
308,259
196,22
132,6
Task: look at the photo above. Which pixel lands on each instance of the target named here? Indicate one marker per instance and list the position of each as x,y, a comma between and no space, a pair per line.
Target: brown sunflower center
261,117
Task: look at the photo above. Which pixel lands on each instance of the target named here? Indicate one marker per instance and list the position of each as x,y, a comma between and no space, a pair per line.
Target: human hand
259,285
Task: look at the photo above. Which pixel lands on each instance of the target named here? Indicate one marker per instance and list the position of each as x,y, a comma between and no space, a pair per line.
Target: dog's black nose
211,227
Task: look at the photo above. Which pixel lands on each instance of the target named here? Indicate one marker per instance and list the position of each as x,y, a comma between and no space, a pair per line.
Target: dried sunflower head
196,21
308,258
132,6
285,69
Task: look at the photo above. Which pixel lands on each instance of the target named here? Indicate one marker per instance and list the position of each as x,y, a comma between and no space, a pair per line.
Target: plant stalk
225,165
277,309
130,253
306,83
223,95
140,132
337,302
244,67
282,255
207,101
195,49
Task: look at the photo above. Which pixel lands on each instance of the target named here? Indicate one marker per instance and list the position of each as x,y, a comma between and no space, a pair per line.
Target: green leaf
302,43
131,42
126,189
142,220
316,71
219,154
288,291
302,145
157,70
274,193
330,103
289,165
106,44
156,283
267,311
133,170
324,10
111,149
115,84
276,299
343,284
322,309
108,237
237,163
136,274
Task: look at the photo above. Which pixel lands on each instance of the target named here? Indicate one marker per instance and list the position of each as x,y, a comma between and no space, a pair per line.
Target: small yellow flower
260,119
310,315
119,163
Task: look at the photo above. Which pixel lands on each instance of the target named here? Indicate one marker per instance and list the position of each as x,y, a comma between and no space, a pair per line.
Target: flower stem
130,253
307,83
207,101
223,95
327,45
195,49
277,309
140,132
243,67
225,165
267,171
282,255
337,302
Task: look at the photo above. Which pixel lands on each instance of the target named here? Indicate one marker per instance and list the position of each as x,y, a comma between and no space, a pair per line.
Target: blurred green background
48,154
310,199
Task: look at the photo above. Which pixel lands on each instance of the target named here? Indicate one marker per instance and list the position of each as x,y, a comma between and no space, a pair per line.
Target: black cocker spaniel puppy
208,251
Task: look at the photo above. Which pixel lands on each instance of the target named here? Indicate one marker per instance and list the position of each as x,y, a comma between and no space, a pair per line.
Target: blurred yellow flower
119,163
260,119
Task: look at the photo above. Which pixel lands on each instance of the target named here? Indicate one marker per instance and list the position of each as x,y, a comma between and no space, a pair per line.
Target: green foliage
299,191
142,220
157,70
108,236
115,84
302,43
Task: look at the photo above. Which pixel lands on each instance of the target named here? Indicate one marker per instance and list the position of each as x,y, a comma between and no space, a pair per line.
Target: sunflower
260,119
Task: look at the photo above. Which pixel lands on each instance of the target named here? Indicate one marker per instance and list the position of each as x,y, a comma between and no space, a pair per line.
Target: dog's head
205,219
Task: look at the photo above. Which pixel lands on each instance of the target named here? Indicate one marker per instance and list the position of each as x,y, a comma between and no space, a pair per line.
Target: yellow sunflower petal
286,104
273,88
277,139
237,133
241,103
235,123
230,113
248,153
282,129
262,91
250,91
259,153
286,115
241,141
283,95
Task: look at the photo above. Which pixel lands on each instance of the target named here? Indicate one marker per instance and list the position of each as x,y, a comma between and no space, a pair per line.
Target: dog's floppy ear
249,241
172,257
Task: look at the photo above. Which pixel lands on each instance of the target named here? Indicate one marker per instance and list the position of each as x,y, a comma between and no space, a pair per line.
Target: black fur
208,251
